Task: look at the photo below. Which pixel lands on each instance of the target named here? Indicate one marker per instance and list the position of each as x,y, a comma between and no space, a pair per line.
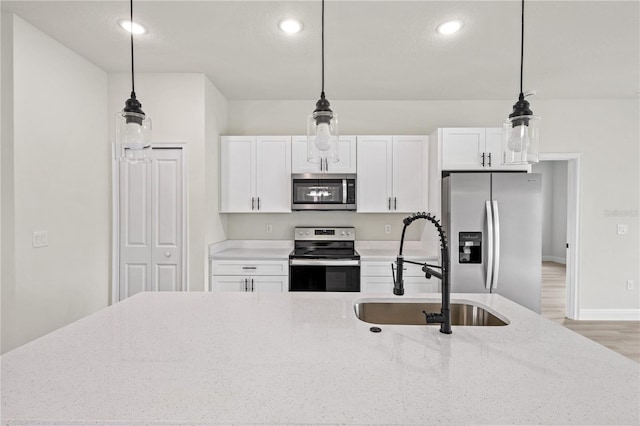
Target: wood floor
620,336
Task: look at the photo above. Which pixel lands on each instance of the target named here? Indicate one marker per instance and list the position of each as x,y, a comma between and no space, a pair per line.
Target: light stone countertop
251,250
198,358
280,250
388,250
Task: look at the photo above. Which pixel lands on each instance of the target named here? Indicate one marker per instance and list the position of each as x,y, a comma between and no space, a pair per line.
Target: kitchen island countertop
304,358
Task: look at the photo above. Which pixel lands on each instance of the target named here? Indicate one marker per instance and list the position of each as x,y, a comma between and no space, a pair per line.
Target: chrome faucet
444,317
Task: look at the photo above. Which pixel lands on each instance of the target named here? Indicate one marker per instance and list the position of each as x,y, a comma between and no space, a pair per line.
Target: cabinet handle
489,163
322,164
389,203
245,284
251,284
326,165
395,203
248,267
483,159
258,203
253,203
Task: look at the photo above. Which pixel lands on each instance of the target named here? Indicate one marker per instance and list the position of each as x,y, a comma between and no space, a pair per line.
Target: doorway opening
560,249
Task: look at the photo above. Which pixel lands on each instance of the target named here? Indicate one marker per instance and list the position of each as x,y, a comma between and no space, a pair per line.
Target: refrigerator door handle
496,266
489,267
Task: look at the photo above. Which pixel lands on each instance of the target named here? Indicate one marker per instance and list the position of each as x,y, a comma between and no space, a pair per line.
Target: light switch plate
40,239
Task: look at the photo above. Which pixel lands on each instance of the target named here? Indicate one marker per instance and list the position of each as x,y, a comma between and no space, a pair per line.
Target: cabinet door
346,156
410,174
299,163
273,174
462,148
275,284
493,148
221,283
375,174
237,173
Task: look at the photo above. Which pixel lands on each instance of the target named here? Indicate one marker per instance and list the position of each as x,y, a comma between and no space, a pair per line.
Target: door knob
167,254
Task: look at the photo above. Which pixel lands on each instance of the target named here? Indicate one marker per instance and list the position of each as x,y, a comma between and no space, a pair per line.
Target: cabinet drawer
263,284
247,267
412,285
383,269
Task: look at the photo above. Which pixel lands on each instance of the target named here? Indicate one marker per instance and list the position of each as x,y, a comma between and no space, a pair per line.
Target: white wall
554,209
605,131
559,219
58,182
177,105
545,168
216,118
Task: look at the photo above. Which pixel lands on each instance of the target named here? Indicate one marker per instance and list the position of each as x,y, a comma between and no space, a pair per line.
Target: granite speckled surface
301,358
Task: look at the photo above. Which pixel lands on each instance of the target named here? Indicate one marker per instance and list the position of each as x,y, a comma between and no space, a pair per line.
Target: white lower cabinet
249,275
376,277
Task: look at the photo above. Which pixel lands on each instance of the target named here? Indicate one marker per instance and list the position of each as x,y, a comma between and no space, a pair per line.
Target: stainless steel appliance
324,259
323,192
494,224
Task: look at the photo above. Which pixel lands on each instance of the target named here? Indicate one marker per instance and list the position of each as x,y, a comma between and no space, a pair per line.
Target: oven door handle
322,262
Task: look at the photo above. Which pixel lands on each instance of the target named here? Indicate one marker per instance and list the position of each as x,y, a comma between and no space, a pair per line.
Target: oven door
324,275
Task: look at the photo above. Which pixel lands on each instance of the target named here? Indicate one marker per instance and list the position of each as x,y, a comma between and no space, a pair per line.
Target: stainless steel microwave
323,192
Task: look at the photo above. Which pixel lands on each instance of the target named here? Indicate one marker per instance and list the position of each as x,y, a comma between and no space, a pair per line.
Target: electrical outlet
269,228
630,285
40,239
387,229
623,229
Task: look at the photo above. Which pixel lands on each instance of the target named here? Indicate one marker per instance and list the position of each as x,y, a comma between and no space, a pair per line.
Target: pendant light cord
322,37
133,85
522,48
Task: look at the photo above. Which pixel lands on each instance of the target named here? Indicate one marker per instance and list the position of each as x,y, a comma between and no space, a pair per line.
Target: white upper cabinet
346,157
392,174
255,174
472,149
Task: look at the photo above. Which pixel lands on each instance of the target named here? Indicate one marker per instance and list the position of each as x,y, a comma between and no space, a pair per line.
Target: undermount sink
410,313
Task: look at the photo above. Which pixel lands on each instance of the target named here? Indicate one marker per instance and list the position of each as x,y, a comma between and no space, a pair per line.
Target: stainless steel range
324,259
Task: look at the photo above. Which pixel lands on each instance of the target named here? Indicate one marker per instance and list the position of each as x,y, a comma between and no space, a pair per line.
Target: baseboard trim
609,314
554,259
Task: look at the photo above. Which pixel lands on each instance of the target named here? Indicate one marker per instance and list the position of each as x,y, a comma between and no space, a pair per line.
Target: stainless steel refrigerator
494,226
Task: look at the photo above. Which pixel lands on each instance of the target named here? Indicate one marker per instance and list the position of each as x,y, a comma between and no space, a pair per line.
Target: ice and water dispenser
470,247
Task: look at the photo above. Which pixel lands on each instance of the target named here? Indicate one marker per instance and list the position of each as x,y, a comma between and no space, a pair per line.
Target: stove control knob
342,233
306,233
301,232
348,232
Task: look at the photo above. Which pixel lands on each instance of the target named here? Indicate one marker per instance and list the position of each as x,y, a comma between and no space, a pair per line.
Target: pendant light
322,126
133,127
521,129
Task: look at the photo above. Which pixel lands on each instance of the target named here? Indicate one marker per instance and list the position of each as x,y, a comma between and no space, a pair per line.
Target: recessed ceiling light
449,27
135,28
290,25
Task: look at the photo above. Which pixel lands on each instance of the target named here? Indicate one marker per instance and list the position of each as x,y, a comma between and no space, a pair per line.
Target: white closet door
135,228
167,202
151,234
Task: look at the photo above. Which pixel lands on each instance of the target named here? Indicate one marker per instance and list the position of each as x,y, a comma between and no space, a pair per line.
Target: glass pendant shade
521,139
133,137
520,132
322,137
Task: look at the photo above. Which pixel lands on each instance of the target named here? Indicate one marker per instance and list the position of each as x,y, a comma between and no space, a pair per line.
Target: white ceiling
375,50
